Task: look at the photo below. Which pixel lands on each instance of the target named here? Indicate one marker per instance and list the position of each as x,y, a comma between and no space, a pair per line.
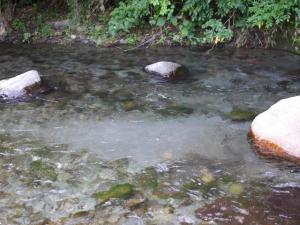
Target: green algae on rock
148,178
42,170
175,110
236,189
121,191
238,114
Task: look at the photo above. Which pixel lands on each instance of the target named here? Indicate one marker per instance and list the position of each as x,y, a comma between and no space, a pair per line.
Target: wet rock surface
167,70
20,85
275,132
268,209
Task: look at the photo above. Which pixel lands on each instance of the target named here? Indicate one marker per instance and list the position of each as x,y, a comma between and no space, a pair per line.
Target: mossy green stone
242,115
42,170
148,178
121,191
190,186
236,189
208,186
175,111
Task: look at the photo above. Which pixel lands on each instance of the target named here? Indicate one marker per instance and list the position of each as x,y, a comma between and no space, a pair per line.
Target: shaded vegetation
248,23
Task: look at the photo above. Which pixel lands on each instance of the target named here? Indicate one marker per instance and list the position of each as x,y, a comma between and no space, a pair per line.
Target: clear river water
107,122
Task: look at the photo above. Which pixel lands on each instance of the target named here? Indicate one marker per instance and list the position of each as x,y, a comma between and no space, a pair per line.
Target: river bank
32,25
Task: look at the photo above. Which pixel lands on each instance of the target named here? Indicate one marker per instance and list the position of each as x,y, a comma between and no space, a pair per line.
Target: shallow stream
107,122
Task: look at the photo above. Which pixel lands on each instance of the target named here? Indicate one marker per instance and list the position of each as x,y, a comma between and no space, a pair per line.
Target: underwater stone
167,70
206,176
185,220
41,170
276,131
242,115
20,85
122,191
135,202
148,178
261,208
236,189
176,110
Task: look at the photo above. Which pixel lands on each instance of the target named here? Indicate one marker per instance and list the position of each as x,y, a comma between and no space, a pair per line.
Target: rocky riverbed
112,144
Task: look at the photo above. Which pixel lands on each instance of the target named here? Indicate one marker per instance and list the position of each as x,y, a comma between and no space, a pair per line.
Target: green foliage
126,16
268,13
198,11
43,28
19,25
216,32
132,39
26,37
226,7
181,21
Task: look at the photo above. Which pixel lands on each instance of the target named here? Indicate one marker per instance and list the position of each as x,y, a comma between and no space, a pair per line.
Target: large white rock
165,69
18,86
276,132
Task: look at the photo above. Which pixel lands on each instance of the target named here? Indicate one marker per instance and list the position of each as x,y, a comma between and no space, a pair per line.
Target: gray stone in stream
168,70
20,85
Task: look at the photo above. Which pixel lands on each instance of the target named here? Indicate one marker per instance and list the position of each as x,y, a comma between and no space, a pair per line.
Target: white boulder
20,85
276,132
166,69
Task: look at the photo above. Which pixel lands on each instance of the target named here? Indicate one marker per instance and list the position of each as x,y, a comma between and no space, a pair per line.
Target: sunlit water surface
108,122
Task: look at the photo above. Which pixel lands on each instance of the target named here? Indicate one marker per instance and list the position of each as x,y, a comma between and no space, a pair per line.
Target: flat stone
169,70
20,85
276,132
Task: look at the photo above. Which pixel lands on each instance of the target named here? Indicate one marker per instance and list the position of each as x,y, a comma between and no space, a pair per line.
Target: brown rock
135,202
280,207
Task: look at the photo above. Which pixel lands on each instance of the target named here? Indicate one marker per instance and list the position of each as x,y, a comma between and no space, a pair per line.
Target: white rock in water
276,132
165,69
18,86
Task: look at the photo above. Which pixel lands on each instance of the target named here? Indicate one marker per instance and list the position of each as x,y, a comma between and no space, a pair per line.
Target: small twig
228,20
209,50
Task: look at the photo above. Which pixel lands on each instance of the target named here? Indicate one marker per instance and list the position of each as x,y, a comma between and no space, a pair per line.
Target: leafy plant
226,7
19,25
26,37
42,28
198,11
126,16
267,13
216,32
132,39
